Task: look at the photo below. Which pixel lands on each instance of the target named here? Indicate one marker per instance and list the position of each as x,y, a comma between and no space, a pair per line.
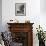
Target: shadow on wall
43,6
0,15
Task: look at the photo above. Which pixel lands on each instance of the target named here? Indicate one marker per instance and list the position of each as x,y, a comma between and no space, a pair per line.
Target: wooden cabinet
22,33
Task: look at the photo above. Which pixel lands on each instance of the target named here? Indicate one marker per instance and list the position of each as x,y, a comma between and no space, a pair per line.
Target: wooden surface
23,27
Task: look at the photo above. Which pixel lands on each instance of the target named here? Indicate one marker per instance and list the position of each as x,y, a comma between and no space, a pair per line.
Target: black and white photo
20,9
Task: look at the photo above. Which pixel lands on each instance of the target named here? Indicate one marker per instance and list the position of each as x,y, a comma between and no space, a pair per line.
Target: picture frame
20,9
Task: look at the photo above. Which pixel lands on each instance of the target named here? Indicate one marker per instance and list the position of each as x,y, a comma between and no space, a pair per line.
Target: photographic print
20,9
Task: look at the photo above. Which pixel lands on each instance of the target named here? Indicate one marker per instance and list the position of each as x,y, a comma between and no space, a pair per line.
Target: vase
41,43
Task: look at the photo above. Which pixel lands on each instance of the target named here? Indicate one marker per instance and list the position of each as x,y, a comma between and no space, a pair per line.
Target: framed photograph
20,9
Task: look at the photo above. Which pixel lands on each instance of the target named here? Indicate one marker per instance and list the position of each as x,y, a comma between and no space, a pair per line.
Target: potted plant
41,36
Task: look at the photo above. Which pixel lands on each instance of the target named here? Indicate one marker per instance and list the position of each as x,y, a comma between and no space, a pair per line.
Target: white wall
0,15
33,13
43,14
43,6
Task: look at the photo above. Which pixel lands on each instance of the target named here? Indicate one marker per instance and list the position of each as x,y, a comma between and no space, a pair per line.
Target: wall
43,14
33,13
0,14
43,6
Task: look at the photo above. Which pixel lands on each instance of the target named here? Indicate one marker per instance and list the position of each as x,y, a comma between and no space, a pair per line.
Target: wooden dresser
22,33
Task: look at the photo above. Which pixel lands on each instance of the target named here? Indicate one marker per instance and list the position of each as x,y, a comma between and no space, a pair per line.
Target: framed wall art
20,9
